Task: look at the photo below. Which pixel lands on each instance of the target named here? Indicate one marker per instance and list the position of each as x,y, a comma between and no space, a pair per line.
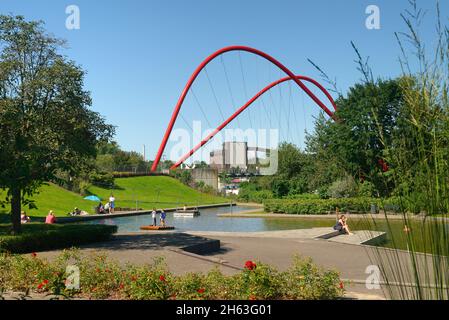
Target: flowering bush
101,278
304,280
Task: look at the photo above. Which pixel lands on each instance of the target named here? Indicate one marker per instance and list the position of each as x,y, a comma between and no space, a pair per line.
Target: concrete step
360,237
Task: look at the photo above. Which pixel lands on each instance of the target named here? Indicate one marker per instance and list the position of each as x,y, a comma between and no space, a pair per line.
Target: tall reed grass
419,166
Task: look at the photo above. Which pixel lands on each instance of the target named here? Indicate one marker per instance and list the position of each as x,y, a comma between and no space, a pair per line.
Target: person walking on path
153,215
111,203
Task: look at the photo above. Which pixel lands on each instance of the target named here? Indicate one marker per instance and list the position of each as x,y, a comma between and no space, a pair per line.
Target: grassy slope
144,189
53,197
154,191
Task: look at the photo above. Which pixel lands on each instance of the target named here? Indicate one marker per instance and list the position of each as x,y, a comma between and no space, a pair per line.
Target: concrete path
358,237
361,237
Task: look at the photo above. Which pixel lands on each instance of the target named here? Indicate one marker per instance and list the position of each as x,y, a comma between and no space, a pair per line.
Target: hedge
319,206
41,237
254,196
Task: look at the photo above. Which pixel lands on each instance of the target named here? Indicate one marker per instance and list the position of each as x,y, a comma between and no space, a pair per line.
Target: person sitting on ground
24,218
163,216
106,208
342,225
153,215
75,212
50,219
100,208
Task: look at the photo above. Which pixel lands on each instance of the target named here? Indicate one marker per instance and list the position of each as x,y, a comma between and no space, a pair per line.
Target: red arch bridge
290,76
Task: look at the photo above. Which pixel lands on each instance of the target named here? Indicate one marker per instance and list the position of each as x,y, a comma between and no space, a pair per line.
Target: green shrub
303,196
367,189
150,282
324,206
246,195
304,280
261,282
185,176
102,179
323,192
318,206
343,188
41,237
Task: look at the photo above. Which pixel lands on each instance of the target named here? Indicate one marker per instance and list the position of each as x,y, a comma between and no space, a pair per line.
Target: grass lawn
160,192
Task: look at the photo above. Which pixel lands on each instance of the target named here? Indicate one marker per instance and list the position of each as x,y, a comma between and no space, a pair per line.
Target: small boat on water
156,228
187,213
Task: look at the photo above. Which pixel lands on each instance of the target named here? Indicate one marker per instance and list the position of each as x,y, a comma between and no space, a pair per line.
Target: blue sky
139,54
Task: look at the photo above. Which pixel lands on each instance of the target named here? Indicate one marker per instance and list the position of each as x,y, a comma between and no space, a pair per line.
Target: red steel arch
203,65
244,107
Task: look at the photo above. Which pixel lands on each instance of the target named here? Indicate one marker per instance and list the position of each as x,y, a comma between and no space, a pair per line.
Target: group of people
106,208
49,219
78,212
163,216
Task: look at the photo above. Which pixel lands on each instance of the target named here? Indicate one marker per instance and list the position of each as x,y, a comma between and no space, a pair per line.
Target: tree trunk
16,203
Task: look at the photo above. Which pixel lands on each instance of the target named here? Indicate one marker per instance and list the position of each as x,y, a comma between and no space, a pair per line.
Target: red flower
342,286
201,290
383,165
133,278
252,297
162,278
34,254
42,284
249,265
121,286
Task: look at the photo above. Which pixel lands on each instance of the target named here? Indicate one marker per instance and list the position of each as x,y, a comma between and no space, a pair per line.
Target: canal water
210,221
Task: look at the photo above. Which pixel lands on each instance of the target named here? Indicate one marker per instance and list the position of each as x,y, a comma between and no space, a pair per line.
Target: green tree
46,123
368,122
326,165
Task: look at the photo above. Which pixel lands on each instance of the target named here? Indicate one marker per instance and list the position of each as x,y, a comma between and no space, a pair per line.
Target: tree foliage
46,123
